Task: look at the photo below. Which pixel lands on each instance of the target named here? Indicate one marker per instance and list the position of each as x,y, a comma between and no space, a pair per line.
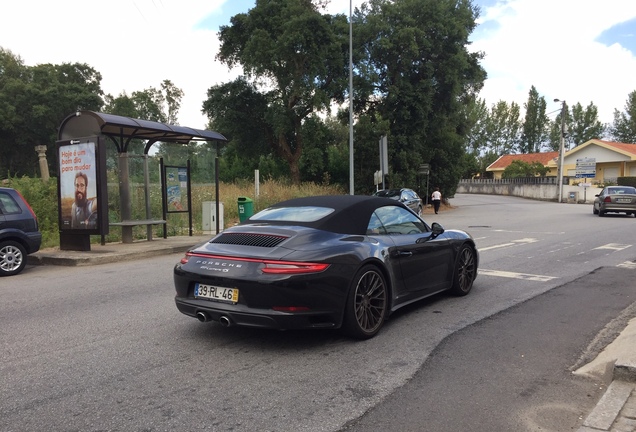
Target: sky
572,50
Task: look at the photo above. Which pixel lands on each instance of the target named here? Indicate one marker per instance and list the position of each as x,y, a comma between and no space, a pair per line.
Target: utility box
573,197
208,221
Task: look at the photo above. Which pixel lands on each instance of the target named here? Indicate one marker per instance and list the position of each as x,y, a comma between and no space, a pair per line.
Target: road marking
514,242
614,246
627,264
512,275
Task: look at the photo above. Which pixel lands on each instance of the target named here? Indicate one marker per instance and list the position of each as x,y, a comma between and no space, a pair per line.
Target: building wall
545,192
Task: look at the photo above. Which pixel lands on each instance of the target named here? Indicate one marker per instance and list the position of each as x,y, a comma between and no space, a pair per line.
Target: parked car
615,199
404,195
328,262
19,234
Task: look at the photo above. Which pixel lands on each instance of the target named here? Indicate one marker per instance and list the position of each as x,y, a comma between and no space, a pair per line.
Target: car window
625,190
8,205
293,214
396,221
375,226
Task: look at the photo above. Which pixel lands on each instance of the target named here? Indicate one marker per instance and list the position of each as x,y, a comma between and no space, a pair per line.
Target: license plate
221,294
623,200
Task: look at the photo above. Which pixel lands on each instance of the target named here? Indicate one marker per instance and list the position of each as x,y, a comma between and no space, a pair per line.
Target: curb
607,412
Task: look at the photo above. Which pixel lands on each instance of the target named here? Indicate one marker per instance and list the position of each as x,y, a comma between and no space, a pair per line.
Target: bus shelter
82,182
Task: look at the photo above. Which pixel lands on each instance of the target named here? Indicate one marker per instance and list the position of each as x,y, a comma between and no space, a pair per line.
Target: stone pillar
44,166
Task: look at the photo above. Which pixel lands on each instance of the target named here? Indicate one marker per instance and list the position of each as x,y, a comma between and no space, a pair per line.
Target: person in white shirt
436,198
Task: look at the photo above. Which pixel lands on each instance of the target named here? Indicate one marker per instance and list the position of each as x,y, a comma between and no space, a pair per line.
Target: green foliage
415,76
39,196
584,125
536,125
301,56
519,168
33,103
624,127
626,181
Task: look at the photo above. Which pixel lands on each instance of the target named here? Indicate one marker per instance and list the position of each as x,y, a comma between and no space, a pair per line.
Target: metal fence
516,180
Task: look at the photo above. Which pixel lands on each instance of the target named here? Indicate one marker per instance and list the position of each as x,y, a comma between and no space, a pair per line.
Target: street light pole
351,188
561,149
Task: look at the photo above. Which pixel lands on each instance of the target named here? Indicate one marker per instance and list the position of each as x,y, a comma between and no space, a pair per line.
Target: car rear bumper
33,242
618,208
230,314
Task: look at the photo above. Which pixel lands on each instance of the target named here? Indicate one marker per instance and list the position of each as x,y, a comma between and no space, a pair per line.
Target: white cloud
551,45
136,44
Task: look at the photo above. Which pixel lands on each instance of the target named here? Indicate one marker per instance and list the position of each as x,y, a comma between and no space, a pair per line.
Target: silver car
615,199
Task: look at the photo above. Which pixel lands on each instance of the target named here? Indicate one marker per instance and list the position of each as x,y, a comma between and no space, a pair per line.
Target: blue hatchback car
19,233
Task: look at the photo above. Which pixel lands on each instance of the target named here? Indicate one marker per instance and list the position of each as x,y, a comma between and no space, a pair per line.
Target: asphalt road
103,348
513,371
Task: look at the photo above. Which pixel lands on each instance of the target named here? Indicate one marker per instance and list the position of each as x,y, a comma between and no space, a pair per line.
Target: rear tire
601,213
594,211
465,271
13,258
366,306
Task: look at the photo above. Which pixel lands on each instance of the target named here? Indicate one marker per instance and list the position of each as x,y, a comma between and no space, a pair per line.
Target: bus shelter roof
123,129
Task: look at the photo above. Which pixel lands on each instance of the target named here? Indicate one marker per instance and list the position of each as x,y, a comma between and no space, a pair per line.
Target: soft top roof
351,215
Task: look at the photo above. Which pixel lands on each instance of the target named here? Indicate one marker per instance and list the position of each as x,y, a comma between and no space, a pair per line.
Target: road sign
586,168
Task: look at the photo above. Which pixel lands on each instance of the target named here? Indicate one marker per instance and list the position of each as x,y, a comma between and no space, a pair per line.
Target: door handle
405,253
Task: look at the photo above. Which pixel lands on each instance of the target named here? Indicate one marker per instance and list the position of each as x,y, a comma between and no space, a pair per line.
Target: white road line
614,246
496,246
514,242
524,276
627,264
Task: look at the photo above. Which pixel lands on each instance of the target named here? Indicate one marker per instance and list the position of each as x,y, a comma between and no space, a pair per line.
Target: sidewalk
615,411
115,252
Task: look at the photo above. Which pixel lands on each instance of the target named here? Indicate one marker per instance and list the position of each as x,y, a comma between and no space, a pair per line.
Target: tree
294,60
582,125
504,128
624,127
535,125
416,74
519,168
33,103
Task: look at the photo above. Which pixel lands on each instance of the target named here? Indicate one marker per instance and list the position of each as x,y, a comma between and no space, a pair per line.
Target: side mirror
437,229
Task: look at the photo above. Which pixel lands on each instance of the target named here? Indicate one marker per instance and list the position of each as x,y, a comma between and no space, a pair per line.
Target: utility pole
561,150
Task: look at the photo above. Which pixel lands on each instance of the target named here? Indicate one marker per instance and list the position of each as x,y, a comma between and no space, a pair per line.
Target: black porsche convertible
324,262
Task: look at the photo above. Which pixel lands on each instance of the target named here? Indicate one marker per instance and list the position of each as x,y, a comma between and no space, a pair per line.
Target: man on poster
84,210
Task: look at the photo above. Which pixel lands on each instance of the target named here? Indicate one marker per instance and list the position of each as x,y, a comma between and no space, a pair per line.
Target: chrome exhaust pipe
225,321
202,316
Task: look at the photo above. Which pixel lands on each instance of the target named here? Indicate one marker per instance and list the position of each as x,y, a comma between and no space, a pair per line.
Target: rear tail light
607,199
28,206
270,266
282,267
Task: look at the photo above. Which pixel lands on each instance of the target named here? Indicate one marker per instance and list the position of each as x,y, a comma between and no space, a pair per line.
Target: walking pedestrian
436,197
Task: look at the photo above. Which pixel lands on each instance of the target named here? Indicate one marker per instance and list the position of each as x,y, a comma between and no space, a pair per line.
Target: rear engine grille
247,239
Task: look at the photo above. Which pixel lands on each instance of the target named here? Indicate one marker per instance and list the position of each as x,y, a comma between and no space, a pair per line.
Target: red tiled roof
629,148
505,160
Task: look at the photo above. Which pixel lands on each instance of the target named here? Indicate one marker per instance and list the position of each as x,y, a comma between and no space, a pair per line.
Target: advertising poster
177,189
78,185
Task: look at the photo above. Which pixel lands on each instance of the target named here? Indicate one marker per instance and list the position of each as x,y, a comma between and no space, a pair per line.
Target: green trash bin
245,208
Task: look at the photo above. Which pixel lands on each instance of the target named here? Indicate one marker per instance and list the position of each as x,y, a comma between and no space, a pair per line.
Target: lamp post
351,188
561,149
